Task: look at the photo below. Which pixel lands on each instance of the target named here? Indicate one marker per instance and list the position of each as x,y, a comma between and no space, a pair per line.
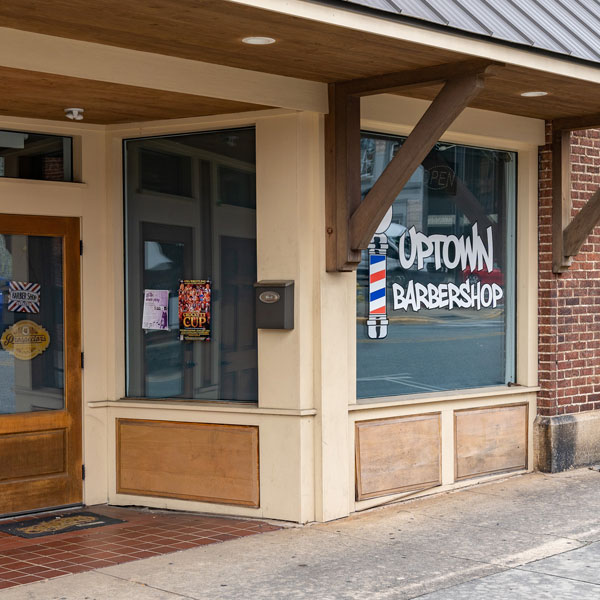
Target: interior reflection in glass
191,214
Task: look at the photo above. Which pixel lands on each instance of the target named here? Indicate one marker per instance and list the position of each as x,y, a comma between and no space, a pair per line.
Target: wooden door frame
67,228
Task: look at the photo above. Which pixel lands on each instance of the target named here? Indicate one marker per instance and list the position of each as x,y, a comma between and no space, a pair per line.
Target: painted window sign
377,323
448,252
436,286
24,297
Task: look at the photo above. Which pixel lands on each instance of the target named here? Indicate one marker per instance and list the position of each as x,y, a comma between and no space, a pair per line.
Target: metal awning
564,27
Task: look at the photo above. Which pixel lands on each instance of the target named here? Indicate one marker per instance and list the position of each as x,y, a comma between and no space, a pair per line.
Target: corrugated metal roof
567,27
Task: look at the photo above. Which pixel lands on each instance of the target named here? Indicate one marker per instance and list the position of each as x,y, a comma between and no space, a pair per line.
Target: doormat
34,528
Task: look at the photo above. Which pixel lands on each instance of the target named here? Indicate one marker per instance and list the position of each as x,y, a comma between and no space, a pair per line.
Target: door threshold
40,511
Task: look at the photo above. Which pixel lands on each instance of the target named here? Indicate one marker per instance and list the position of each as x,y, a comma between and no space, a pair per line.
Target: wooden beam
575,123
582,225
450,102
561,197
342,177
393,82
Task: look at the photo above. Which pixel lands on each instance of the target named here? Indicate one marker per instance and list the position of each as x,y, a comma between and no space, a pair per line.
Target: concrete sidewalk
531,536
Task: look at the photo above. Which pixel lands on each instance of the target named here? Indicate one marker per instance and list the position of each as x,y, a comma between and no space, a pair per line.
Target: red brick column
569,303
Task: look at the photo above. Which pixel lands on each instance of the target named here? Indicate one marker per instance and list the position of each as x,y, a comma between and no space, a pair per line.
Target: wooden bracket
342,181
350,222
569,235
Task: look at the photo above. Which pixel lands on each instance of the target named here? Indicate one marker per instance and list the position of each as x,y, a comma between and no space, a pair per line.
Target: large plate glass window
436,289
191,248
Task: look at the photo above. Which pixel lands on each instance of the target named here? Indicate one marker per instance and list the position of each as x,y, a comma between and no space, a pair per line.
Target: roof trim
430,25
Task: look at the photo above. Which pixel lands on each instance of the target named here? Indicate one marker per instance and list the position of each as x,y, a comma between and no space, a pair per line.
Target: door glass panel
31,324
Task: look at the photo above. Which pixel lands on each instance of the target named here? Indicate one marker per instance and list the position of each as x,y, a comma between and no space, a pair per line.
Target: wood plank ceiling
45,96
211,31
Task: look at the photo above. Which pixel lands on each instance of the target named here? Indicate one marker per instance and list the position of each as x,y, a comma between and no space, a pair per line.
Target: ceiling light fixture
75,114
256,40
533,94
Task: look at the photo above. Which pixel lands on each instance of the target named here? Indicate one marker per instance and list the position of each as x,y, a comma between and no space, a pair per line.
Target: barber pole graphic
377,322
24,297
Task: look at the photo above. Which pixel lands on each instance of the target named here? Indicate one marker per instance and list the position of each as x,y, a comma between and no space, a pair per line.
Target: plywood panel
396,455
32,454
192,461
490,440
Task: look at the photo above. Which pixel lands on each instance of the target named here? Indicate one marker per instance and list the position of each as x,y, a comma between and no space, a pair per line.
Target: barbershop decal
377,322
24,297
194,310
448,252
419,252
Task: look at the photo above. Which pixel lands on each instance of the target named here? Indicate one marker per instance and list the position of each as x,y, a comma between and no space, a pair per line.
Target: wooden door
40,363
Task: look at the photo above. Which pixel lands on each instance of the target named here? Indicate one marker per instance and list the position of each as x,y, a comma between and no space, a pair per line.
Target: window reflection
435,291
26,155
190,205
32,370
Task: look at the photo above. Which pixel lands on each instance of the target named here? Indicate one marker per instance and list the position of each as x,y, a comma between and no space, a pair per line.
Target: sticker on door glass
24,297
25,340
194,310
156,310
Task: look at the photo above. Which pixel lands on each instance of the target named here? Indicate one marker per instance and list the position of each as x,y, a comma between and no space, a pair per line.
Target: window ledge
469,394
22,180
191,405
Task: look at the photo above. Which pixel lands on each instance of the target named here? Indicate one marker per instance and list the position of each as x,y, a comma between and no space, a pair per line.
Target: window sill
22,180
202,406
468,394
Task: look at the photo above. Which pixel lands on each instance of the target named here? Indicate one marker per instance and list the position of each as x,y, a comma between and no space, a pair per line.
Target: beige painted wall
306,376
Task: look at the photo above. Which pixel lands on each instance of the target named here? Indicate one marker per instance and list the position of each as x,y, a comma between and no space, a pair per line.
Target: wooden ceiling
43,96
502,93
211,31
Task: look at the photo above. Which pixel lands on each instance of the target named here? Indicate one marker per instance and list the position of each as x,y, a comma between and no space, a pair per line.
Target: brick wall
53,168
569,303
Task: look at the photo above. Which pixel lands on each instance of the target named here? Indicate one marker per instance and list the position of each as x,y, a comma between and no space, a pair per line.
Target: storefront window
436,289
191,264
25,155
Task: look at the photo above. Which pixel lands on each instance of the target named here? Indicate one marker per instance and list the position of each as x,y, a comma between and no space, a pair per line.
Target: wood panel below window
397,455
490,440
191,461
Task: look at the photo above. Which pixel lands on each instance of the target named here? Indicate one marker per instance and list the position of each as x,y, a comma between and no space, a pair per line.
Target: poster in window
194,310
156,310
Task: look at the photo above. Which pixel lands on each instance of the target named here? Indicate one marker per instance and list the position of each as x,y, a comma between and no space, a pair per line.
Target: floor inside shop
142,534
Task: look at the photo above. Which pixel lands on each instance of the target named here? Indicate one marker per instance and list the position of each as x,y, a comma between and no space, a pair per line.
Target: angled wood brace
568,235
351,222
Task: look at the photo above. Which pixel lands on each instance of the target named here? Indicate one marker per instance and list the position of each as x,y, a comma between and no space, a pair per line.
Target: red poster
194,310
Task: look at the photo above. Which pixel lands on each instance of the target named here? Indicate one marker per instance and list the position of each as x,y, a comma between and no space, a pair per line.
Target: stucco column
308,368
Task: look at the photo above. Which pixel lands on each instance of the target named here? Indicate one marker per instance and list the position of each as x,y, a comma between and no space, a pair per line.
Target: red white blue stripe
377,276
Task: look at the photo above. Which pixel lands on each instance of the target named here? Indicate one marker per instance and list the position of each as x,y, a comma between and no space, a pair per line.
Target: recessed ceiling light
75,114
533,94
255,40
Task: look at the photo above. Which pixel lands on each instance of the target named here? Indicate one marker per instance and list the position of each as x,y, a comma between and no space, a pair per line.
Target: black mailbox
274,304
